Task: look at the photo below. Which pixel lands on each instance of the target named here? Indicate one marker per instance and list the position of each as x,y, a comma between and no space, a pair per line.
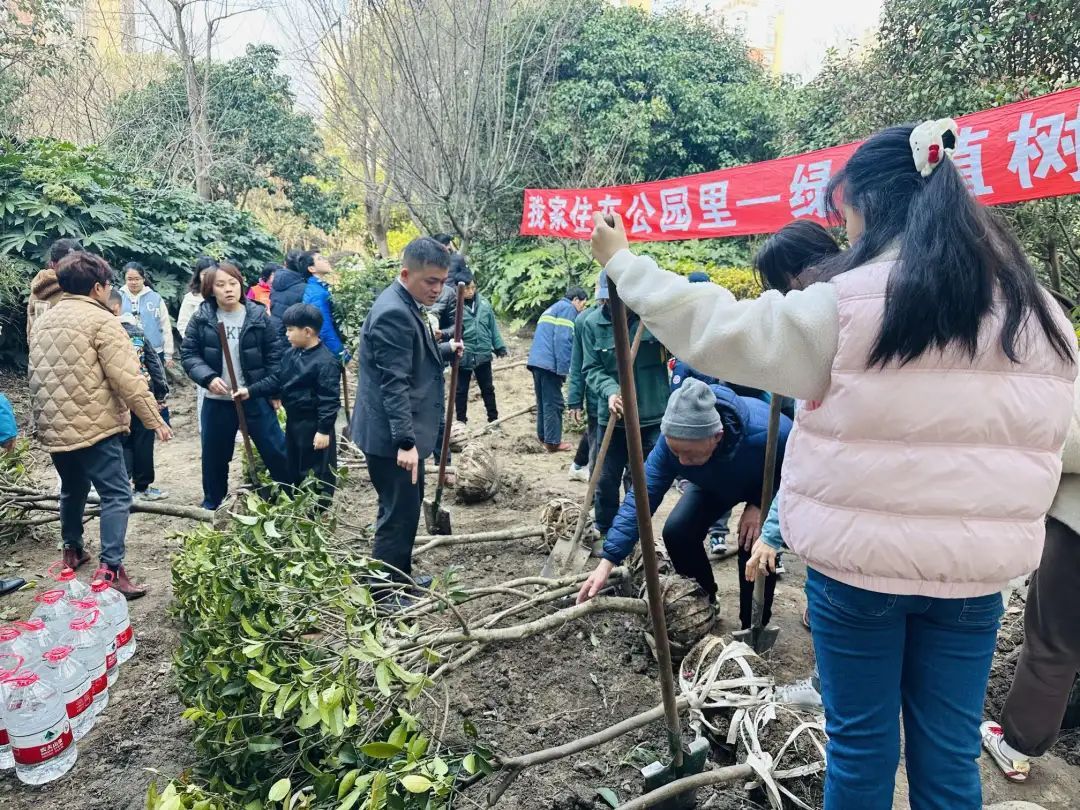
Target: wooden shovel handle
241,416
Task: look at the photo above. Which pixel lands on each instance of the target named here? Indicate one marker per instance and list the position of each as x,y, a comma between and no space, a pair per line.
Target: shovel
240,415
436,518
761,638
345,392
567,554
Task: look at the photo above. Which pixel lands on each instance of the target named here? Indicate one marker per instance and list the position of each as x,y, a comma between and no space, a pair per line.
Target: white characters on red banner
714,205
581,215
967,157
1049,140
639,212
675,209
557,214
609,206
537,212
808,189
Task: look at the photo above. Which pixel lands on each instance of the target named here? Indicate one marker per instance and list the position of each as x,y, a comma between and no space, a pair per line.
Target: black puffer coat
260,348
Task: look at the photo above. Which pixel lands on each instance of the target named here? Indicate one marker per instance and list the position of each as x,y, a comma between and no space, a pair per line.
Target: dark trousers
303,459
165,413
219,425
102,465
486,380
613,470
549,405
587,447
1050,657
139,454
399,512
684,535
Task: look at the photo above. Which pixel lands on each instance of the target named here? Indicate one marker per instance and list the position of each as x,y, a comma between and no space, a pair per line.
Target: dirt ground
531,695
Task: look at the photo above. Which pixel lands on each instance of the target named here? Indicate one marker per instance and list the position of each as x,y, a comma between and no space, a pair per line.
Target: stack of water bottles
55,672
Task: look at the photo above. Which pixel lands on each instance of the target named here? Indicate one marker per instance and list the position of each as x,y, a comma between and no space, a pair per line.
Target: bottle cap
57,654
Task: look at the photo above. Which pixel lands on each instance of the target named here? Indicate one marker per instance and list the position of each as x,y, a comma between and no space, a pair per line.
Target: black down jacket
260,348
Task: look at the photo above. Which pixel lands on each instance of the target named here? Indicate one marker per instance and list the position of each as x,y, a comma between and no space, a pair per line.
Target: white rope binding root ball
477,474
735,704
559,518
689,614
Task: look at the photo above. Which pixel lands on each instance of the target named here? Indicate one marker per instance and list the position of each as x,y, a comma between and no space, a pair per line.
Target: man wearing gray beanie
715,439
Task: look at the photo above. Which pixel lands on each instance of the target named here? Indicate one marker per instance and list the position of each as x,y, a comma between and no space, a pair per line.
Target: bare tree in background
187,28
441,98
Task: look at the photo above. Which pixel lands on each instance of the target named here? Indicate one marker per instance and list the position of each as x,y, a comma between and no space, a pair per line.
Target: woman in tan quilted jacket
85,379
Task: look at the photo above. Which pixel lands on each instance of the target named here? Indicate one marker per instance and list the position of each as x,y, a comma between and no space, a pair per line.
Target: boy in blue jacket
317,293
714,439
549,362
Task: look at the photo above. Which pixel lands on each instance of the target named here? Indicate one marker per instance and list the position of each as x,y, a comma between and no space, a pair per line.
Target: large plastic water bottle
35,639
53,606
42,743
70,677
9,663
115,607
67,581
9,640
89,645
108,634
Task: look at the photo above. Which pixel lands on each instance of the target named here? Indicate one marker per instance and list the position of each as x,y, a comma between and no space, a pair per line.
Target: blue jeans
219,425
102,465
547,386
878,653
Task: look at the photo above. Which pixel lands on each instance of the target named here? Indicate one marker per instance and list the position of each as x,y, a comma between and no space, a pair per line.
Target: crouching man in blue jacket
714,439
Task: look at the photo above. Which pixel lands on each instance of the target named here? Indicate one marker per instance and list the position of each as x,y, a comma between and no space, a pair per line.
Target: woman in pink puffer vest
917,479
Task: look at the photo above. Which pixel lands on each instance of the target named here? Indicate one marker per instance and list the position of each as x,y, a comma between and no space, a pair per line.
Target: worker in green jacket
601,377
482,340
580,401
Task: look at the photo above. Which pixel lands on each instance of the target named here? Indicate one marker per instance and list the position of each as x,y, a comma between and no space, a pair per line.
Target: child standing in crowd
150,310
253,344
139,443
308,383
482,340
916,482
317,293
260,291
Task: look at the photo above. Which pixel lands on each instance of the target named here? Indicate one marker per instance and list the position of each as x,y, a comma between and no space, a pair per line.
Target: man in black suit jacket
399,403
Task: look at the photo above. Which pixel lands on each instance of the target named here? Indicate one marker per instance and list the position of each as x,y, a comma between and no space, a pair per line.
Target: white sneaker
993,739
799,693
717,545
579,473
780,569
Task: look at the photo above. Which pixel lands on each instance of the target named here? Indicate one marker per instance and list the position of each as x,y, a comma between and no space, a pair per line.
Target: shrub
360,280
286,674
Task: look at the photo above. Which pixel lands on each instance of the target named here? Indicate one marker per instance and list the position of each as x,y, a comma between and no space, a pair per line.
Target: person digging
714,439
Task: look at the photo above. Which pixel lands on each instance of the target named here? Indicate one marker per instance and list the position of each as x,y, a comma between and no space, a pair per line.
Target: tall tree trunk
198,122
1054,265
375,213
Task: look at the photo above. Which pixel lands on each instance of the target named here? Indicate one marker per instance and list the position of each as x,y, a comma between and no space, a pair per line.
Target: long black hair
955,255
202,263
790,251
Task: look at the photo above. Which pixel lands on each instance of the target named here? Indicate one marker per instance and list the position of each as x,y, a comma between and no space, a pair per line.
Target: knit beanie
691,412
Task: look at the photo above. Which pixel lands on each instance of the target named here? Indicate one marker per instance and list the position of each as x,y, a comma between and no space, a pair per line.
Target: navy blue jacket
287,289
734,473
553,343
681,372
399,401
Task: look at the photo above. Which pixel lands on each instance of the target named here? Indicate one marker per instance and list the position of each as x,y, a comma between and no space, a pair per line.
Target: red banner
1022,151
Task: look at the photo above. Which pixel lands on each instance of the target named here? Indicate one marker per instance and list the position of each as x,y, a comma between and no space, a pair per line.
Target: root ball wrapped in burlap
559,518
459,437
689,614
477,474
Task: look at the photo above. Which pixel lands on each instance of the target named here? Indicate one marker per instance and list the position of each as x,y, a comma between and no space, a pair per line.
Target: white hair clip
928,144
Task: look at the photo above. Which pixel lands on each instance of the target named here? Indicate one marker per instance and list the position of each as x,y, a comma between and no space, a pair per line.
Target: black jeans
219,426
302,457
139,454
587,447
399,512
684,536
486,381
611,474
102,465
549,405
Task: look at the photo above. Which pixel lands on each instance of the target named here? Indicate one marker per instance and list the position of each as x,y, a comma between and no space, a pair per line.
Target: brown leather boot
120,581
75,559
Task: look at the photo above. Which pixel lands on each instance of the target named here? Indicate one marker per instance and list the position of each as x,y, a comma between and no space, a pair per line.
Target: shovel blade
436,518
760,639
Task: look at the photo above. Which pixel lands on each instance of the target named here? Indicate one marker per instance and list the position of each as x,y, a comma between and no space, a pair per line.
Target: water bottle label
4,739
123,638
110,661
77,704
33,749
101,685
